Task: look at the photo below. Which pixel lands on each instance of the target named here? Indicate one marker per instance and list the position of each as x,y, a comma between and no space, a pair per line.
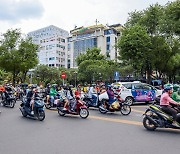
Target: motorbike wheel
24,113
41,115
48,106
148,125
125,109
12,103
84,113
60,112
101,110
3,103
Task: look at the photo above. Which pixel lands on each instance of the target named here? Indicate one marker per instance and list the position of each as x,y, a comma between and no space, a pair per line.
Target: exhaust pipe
152,120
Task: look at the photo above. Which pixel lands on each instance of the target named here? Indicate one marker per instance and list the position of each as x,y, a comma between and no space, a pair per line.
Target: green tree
17,54
134,46
161,24
91,54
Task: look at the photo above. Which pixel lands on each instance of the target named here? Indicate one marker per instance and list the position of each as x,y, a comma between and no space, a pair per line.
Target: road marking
112,120
134,110
117,120
140,106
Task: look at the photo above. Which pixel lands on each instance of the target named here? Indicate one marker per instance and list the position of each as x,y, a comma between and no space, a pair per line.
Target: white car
138,92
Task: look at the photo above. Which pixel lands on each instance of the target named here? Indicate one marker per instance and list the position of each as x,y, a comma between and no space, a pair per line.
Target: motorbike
52,104
19,95
38,109
9,101
91,102
118,105
80,109
155,117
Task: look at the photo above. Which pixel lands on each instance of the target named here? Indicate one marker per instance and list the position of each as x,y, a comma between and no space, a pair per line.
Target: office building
100,36
52,45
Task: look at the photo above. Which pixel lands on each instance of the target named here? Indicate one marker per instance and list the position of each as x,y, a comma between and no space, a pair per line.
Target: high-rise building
100,36
52,45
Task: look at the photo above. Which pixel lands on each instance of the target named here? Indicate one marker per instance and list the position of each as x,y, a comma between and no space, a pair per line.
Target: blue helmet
167,88
109,86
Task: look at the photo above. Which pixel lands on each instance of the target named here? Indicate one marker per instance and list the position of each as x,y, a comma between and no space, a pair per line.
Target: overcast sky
30,15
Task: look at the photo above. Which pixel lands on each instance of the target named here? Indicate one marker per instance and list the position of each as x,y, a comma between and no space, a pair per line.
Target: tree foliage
16,53
150,41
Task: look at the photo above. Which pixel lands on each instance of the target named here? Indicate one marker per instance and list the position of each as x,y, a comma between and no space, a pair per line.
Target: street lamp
75,78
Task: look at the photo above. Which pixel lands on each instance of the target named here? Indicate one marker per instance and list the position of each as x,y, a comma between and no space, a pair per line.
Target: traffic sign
63,75
116,76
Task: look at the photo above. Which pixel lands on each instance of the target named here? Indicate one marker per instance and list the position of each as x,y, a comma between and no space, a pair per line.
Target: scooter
91,102
10,101
38,109
155,117
52,103
80,109
118,105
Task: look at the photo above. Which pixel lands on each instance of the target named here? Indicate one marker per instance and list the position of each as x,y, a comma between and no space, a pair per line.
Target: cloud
14,11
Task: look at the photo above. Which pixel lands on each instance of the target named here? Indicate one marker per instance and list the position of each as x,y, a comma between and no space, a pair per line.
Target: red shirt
2,89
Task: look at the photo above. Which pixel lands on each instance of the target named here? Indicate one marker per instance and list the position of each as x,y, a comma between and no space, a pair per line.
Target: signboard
116,76
63,75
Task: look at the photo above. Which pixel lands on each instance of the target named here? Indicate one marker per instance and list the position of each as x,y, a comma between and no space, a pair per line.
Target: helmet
109,86
54,85
167,88
93,85
175,87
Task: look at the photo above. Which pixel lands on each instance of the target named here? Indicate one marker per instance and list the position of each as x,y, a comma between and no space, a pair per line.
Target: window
51,58
106,32
128,86
63,40
108,39
108,47
138,86
147,87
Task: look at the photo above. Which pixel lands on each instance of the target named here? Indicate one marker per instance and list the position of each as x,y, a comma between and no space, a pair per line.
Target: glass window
147,87
128,86
51,58
108,39
138,86
106,32
108,47
63,40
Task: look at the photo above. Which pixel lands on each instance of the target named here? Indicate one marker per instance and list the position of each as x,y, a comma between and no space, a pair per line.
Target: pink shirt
166,99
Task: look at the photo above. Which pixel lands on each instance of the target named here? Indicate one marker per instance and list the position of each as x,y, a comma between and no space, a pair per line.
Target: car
133,92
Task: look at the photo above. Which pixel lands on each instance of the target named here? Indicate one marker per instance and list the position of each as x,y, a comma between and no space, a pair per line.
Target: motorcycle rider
47,91
8,89
111,95
52,93
92,93
165,103
32,93
176,93
70,96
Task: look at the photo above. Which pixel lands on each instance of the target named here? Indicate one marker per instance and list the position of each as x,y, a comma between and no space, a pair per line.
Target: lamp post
75,78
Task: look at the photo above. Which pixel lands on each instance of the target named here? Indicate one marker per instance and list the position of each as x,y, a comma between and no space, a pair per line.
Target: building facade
52,45
99,36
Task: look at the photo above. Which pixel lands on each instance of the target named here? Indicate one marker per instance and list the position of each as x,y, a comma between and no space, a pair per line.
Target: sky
30,15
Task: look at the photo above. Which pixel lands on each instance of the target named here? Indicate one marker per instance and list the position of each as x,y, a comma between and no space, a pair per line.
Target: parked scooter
9,101
38,109
118,105
155,117
80,109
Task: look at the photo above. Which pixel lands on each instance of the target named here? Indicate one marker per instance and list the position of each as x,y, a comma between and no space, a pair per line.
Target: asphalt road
98,134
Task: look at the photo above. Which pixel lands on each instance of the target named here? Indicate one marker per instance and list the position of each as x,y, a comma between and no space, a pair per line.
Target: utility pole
96,22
